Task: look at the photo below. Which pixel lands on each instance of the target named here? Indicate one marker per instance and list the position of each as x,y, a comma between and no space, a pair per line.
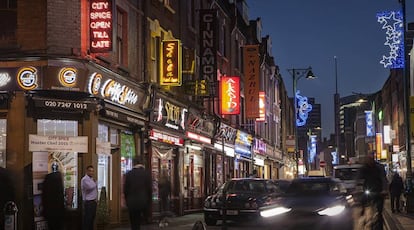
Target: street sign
322,164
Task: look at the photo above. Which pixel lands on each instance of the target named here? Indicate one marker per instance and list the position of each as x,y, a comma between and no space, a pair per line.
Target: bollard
10,216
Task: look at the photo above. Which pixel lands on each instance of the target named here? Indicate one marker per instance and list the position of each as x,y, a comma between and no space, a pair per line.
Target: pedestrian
137,193
89,197
6,192
396,188
374,182
164,191
53,199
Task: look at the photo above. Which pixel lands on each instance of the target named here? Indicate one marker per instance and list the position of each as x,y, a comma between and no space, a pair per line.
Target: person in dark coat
137,192
53,199
396,188
164,191
6,192
375,185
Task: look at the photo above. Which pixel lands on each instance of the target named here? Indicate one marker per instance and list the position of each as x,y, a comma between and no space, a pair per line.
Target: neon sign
100,27
27,78
392,22
262,107
230,95
67,76
302,109
170,63
112,90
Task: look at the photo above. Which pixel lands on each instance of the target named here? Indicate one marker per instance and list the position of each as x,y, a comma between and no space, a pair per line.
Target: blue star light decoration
303,109
392,23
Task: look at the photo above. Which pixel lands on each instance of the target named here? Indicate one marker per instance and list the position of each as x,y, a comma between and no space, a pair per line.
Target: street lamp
296,75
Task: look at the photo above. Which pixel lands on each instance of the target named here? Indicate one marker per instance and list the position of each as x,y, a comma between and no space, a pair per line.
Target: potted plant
102,212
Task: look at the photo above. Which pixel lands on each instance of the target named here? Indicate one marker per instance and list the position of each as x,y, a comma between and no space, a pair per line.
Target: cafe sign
111,89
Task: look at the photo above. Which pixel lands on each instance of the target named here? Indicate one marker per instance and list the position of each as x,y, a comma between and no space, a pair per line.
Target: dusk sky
311,32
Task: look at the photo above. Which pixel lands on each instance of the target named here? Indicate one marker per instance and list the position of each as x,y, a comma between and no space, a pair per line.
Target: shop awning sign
39,143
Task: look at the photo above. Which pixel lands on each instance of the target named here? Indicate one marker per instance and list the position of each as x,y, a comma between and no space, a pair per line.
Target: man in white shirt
89,197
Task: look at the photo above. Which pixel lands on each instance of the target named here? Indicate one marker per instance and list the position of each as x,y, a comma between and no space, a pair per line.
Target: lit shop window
66,162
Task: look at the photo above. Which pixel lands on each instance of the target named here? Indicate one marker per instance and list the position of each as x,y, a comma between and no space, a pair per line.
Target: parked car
241,198
311,203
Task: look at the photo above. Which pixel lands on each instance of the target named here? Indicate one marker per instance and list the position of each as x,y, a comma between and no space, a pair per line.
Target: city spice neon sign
100,26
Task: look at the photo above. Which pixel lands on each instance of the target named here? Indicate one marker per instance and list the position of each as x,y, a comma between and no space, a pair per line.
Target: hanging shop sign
208,47
165,137
100,26
227,132
197,123
188,61
259,147
258,161
103,147
230,95
251,80
262,107
171,63
243,144
39,143
166,113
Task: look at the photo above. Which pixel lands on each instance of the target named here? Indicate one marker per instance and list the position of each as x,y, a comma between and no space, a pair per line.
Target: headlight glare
332,211
274,211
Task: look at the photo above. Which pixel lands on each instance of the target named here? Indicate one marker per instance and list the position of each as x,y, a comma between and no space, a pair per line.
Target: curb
390,222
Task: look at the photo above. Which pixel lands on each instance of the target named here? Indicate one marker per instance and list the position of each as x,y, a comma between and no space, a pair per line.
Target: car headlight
332,211
274,211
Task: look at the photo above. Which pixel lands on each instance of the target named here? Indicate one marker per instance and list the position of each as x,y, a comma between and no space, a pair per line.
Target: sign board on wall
171,63
100,26
251,80
58,143
230,95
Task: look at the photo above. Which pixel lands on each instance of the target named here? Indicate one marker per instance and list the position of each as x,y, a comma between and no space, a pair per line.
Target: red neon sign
100,26
230,95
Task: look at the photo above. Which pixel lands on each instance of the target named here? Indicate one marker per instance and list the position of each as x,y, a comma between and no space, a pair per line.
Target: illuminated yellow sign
27,78
67,76
171,63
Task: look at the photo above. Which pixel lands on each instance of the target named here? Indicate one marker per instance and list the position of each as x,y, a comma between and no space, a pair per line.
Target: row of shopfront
74,113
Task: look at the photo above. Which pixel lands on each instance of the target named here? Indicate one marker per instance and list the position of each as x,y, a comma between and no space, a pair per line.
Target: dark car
311,203
243,199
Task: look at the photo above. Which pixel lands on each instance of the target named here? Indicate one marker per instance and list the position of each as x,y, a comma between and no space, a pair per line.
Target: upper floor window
8,20
121,37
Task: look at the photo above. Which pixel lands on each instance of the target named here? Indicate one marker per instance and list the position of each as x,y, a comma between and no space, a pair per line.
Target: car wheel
210,221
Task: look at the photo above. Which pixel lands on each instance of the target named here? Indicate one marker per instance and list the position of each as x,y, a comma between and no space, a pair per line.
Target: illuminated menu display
100,26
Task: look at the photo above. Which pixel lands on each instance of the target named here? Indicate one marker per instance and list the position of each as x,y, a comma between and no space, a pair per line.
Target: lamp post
296,75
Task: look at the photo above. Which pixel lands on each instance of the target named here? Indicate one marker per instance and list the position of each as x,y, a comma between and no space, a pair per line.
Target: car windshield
247,186
312,187
347,173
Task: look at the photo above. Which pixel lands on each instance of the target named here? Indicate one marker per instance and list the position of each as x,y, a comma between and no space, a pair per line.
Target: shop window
104,160
127,155
65,162
3,137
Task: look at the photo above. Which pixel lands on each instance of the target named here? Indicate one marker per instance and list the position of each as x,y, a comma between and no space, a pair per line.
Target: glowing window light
392,23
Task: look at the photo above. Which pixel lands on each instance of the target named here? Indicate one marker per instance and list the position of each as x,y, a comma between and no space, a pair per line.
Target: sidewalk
179,222
397,221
